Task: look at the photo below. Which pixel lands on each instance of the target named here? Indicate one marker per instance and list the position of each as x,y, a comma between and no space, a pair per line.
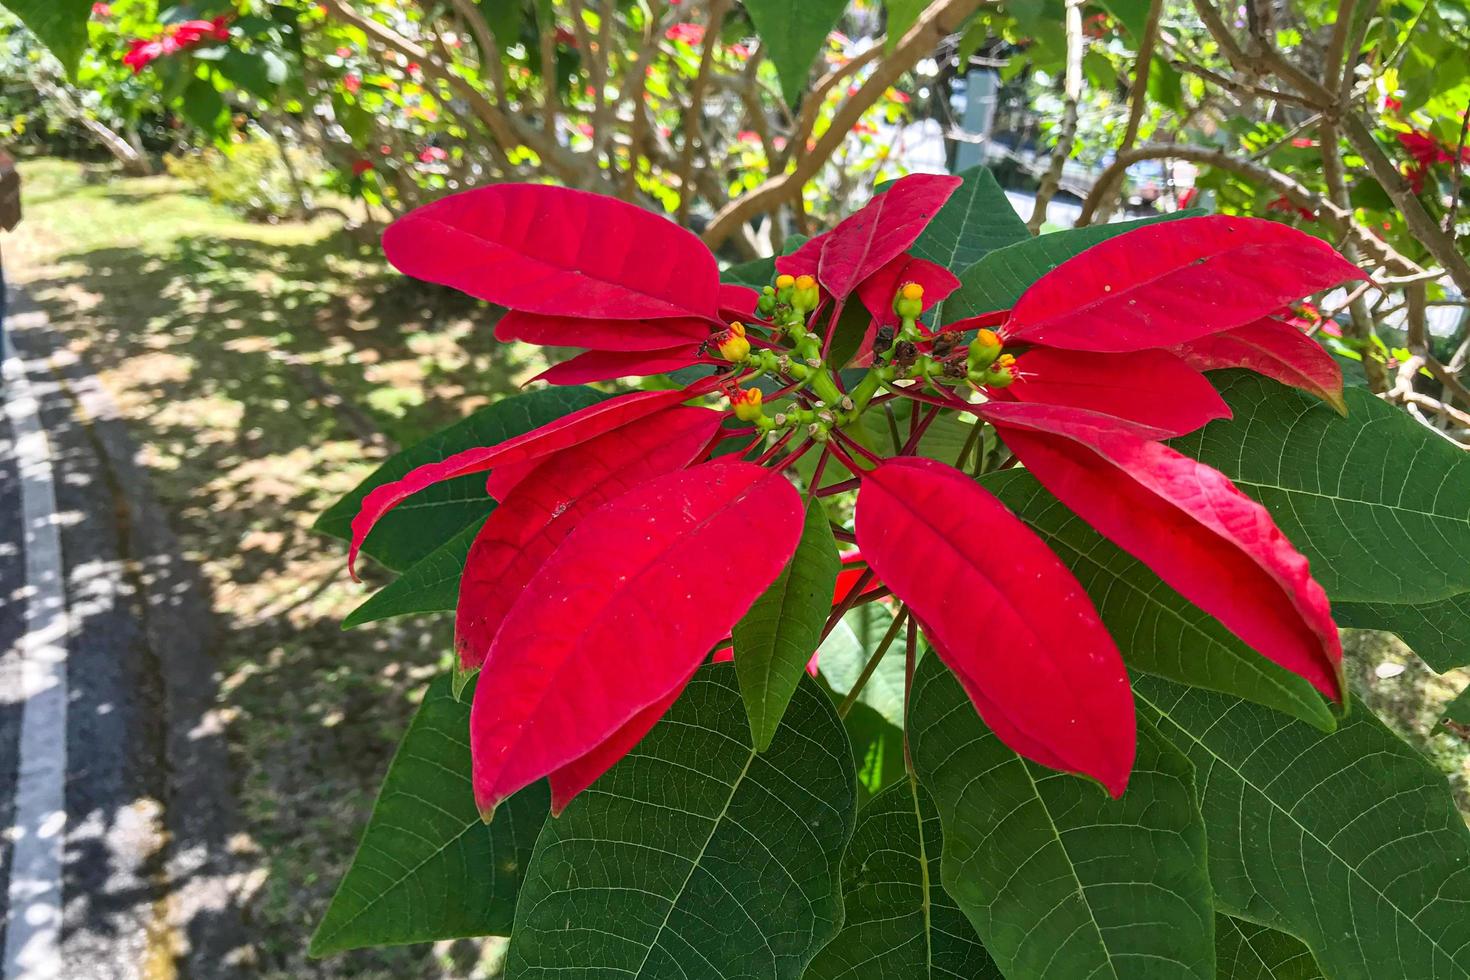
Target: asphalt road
142,877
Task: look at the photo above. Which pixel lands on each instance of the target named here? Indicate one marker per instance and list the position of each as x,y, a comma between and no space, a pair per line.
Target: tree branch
1067,132
938,20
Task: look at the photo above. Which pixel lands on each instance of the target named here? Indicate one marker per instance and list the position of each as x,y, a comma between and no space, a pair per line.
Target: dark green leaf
1458,710
1247,951
249,71
696,856
777,637
61,25
975,221
792,34
901,924
755,273
1059,880
431,517
1157,630
202,104
877,749
902,14
999,279
430,584
1378,503
1133,14
1348,840
427,867
504,18
852,327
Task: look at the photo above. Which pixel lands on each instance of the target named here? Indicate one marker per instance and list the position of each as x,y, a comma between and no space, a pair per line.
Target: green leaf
1349,841
1157,630
975,221
504,19
61,25
202,104
432,516
430,584
1059,880
902,14
777,637
901,924
792,34
696,856
852,326
428,868
755,273
1438,632
1247,951
1377,502
877,748
250,71
999,279
1458,709
1133,14
846,651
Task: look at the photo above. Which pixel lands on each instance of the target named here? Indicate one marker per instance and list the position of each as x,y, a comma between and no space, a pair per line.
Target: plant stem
872,665
910,656
847,603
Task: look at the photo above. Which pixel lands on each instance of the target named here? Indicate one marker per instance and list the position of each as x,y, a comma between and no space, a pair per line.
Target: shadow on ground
261,379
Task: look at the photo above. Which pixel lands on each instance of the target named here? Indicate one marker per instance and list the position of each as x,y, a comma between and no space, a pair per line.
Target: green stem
872,665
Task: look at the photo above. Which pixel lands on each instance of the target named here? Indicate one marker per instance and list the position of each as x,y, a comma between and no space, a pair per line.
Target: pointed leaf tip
1011,622
1185,520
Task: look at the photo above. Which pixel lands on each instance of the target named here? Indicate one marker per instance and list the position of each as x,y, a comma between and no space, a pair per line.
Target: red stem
847,602
796,454
776,447
991,319
837,488
918,431
856,446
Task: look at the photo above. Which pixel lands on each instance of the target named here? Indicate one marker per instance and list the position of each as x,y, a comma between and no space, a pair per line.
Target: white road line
33,931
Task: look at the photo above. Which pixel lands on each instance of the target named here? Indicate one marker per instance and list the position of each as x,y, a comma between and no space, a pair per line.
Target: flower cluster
142,52
629,539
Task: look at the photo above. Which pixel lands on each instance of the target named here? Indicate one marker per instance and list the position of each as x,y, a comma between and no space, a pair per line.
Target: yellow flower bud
785,281
909,301
984,350
732,344
747,404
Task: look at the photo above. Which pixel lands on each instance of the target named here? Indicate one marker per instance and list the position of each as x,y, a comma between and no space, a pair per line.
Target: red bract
1186,521
868,240
604,335
1278,350
593,641
544,505
620,556
1004,614
176,37
577,427
558,252
1169,283
1152,387
601,365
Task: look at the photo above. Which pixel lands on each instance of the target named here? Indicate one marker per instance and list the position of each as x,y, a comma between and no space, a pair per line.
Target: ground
264,369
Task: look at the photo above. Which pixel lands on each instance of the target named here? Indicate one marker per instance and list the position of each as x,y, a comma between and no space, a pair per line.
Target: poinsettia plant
958,504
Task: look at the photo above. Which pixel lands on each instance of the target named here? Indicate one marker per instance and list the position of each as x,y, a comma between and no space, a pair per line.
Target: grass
264,370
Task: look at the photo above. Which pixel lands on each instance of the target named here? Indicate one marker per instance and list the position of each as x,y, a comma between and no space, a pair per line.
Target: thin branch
938,20
1455,181
1138,93
1360,321
1067,132
1339,220
694,112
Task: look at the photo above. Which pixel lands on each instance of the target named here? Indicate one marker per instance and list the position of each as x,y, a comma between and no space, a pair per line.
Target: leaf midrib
694,863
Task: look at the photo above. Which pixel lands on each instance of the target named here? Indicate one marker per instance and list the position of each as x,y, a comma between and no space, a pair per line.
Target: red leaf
548,502
1166,284
557,251
1185,520
578,774
737,301
623,335
1004,613
1152,387
579,426
622,612
878,290
803,261
604,365
869,239
1278,350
